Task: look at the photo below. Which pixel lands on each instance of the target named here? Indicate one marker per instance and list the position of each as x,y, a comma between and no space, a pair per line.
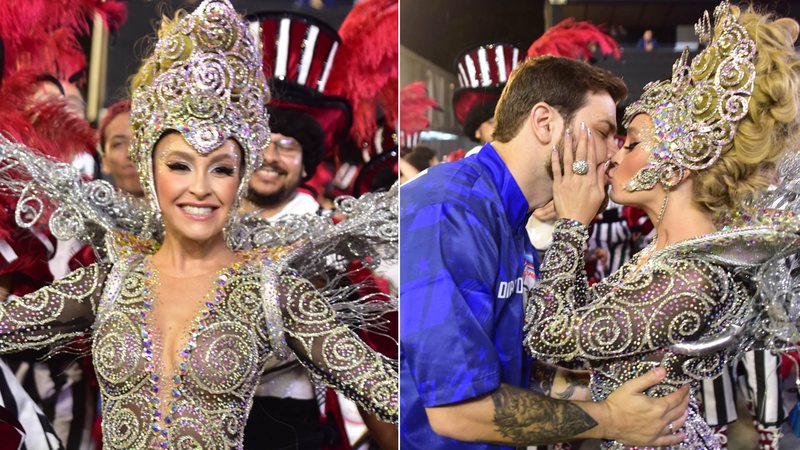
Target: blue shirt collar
514,202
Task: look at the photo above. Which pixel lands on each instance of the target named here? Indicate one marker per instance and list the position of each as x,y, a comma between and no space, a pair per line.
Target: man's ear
543,122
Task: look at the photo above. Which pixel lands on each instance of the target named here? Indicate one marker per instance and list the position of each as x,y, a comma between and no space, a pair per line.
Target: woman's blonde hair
771,126
144,76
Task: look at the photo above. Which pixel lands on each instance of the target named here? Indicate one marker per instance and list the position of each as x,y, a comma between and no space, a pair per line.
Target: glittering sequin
205,399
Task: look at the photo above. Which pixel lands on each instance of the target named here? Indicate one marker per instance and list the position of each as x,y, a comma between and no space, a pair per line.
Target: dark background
131,43
439,30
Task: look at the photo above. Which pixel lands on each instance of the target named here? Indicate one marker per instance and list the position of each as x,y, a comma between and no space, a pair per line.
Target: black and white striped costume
610,232
39,434
759,374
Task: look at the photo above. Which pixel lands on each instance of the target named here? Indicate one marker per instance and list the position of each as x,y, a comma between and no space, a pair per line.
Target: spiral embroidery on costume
704,367
684,324
189,433
133,287
556,334
243,299
342,350
304,306
609,328
117,354
125,422
230,424
227,359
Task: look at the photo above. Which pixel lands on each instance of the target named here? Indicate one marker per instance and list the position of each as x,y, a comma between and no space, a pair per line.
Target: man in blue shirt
465,264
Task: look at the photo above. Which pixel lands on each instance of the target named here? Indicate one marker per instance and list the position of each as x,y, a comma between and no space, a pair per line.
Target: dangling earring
644,180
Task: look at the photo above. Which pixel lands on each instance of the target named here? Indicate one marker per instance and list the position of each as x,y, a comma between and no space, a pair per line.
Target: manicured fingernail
555,150
589,132
583,126
569,131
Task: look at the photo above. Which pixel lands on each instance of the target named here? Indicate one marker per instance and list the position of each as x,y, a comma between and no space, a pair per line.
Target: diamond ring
580,167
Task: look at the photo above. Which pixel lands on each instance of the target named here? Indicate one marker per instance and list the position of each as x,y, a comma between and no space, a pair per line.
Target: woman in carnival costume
181,324
701,151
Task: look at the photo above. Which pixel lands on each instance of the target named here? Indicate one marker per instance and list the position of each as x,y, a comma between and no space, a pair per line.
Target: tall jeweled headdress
696,113
206,84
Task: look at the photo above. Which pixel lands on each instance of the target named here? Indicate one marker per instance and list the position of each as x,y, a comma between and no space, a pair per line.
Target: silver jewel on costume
580,167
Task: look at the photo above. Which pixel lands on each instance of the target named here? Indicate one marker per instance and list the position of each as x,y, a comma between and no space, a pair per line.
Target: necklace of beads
210,303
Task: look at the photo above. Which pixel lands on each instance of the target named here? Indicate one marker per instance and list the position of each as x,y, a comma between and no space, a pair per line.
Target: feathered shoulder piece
760,243
53,191
365,229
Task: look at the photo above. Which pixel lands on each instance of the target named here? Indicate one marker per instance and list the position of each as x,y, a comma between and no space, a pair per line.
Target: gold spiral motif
243,299
734,107
342,350
220,32
608,327
171,86
187,433
205,106
704,64
227,359
704,101
125,422
117,354
174,47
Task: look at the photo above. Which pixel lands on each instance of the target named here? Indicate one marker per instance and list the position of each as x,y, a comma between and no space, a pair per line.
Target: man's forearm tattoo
574,381
542,376
528,418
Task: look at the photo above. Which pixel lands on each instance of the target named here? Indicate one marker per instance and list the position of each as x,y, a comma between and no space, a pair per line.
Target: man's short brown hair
560,82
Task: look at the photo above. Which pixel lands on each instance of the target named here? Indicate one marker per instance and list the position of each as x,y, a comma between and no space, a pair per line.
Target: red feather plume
43,34
414,106
366,65
571,39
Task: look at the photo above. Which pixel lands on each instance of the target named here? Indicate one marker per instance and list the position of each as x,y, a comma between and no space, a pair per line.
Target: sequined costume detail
623,326
202,402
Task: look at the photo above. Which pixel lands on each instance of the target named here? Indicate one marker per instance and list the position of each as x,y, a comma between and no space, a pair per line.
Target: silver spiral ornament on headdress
695,114
207,84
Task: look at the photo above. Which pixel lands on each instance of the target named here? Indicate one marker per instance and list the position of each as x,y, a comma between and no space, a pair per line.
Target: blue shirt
465,261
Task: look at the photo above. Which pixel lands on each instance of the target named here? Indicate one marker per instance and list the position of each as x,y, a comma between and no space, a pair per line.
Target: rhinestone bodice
203,402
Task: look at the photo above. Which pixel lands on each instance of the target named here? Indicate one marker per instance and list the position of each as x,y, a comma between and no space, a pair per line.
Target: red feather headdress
571,39
366,69
414,106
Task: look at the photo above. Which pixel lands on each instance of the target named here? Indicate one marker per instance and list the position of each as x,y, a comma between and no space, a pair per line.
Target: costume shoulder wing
367,231
53,191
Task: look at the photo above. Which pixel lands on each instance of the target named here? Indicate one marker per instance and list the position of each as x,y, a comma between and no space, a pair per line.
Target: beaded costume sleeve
54,314
332,352
635,311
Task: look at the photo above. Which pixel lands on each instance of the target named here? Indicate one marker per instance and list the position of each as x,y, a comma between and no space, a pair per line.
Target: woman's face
195,192
632,157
